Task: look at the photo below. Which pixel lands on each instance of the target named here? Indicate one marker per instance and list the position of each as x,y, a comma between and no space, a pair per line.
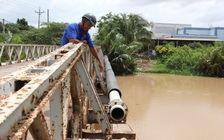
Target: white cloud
198,13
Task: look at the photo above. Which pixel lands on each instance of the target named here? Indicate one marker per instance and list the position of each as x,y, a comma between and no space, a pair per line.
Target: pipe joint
117,110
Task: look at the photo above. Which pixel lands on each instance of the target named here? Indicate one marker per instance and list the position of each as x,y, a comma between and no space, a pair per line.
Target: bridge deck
7,69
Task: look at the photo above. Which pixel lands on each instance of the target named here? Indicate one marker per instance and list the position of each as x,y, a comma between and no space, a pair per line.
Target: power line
39,13
16,12
5,20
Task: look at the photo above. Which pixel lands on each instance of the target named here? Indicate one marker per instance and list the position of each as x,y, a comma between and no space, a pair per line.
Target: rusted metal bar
128,135
76,97
100,81
39,129
59,110
96,104
18,105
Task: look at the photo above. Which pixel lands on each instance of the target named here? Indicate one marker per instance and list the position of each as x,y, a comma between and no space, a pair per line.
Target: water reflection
171,107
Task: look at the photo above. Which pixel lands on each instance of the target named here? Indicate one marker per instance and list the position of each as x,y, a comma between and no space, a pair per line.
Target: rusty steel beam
8,82
14,108
101,81
95,102
39,129
59,110
97,134
76,91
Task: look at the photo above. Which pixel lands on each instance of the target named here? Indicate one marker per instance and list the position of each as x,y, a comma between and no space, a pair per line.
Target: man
78,32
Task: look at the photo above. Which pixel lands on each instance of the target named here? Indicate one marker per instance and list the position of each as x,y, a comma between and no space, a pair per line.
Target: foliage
108,29
13,28
16,28
195,45
9,38
54,31
183,60
122,57
50,34
4,37
120,37
13,31
194,59
22,24
121,62
21,32
163,52
132,27
212,63
166,49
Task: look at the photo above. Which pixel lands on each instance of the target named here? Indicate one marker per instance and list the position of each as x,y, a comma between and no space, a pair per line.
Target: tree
12,27
108,27
23,24
122,57
121,36
9,38
54,32
49,34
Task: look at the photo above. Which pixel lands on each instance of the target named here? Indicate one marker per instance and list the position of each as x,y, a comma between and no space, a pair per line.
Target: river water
171,107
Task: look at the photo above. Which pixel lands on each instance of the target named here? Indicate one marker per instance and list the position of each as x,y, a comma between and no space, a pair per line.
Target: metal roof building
185,33
182,34
161,30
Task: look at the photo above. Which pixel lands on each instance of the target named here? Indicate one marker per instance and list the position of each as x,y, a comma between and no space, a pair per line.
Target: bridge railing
57,98
16,53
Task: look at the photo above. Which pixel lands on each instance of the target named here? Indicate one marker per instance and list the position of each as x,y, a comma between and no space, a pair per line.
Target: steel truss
61,96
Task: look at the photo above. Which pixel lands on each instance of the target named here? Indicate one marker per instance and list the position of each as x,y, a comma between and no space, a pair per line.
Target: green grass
159,68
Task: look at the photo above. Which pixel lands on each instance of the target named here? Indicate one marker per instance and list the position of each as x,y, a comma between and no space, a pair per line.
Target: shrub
212,62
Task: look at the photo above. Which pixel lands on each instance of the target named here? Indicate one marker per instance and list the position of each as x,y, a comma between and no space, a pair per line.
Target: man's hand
95,54
84,41
101,67
76,41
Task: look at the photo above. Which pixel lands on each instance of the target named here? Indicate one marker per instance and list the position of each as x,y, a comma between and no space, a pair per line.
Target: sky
200,13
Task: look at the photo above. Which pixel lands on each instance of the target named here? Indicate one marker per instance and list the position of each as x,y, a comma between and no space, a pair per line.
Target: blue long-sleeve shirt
74,30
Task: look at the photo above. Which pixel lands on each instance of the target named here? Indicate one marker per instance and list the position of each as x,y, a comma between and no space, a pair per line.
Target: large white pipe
113,95
117,109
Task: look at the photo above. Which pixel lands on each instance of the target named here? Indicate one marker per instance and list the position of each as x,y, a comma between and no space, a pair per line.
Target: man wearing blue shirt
78,32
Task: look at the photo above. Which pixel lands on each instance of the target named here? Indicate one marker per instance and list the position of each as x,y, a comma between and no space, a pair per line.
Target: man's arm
96,55
76,41
93,51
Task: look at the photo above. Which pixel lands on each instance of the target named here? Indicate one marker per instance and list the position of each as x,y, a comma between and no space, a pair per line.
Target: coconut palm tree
121,36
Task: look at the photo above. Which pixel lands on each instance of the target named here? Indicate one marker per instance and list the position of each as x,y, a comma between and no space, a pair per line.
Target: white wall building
161,30
185,32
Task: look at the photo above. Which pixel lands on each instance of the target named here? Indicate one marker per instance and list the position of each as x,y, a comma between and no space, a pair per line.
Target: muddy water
170,107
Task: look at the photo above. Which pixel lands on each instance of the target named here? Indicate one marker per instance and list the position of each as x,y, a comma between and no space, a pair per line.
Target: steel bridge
61,95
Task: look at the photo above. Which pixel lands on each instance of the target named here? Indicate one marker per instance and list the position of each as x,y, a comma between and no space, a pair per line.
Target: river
172,107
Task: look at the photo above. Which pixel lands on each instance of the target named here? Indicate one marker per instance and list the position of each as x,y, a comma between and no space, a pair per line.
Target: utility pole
47,15
39,13
3,25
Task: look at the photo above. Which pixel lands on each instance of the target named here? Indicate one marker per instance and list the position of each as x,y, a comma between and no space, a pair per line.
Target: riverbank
144,65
